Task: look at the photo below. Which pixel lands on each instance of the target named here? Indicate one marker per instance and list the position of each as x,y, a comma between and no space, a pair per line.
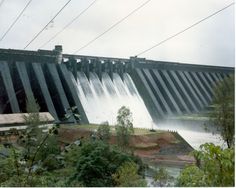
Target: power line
47,24
67,25
114,25
18,17
182,31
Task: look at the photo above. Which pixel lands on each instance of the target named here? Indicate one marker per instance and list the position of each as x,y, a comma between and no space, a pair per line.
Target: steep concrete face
167,89
41,82
174,89
69,83
8,85
21,68
40,74
98,85
44,83
57,89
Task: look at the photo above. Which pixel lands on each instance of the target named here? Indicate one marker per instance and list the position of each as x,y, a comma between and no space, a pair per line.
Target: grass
86,126
143,131
93,127
175,141
192,117
145,145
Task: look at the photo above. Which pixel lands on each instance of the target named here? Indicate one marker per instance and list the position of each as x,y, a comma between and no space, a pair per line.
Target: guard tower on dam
166,88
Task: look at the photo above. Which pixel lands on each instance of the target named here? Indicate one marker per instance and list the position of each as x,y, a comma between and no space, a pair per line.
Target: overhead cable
14,22
111,27
67,25
47,24
182,31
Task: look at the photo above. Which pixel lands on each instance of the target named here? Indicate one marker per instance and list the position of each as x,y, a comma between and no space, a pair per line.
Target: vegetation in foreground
36,159
223,112
214,165
214,168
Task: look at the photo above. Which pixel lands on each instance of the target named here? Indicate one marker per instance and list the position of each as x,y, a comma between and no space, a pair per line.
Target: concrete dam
99,86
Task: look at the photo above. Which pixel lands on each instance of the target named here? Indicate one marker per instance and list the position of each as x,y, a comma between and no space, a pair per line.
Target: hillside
160,147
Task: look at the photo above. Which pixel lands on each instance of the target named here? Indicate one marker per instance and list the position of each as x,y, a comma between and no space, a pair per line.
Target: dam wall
99,86
172,89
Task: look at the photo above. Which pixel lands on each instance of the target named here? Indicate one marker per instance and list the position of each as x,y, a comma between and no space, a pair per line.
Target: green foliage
33,146
71,155
36,160
192,176
51,146
127,176
56,178
32,108
223,111
215,167
14,181
103,132
46,179
51,162
7,166
124,127
28,159
161,178
97,162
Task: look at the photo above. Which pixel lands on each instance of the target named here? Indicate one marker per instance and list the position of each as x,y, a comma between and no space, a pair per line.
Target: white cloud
211,42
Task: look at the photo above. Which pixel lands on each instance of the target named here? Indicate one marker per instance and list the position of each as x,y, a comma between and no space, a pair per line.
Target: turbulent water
195,132
103,98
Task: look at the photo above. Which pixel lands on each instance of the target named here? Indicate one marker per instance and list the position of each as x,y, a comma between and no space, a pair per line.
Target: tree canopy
127,176
223,111
124,127
215,168
98,161
162,178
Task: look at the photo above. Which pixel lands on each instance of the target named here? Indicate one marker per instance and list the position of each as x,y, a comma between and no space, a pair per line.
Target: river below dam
195,132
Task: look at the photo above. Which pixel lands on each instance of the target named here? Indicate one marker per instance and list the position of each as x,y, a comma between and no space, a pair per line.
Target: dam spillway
99,86
102,99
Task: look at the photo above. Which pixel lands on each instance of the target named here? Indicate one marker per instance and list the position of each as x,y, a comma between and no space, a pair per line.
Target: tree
71,155
104,132
191,176
127,176
33,145
215,168
223,111
161,178
98,161
124,127
32,119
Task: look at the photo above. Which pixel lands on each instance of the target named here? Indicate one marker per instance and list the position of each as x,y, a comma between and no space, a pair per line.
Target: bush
127,176
162,178
104,132
51,162
98,161
214,168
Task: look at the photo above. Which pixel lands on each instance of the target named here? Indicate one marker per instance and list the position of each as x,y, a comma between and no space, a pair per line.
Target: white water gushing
194,133
195,139
103,98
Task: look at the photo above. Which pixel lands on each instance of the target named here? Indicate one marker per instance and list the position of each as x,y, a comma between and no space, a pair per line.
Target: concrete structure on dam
60,81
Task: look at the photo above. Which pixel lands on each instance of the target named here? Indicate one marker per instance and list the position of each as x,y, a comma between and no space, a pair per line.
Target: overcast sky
212,42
